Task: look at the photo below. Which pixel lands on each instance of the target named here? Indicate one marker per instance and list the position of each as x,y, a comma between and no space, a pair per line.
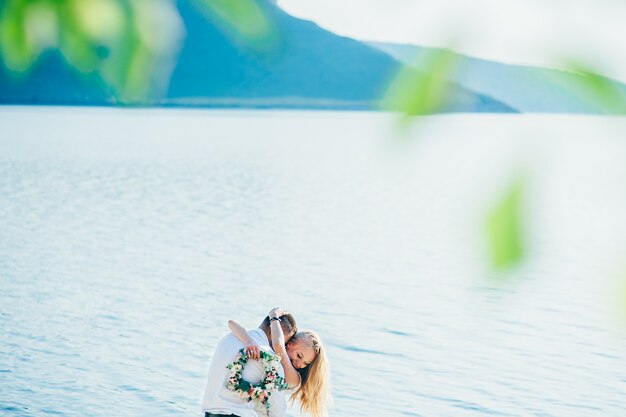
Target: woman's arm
252,349
292,377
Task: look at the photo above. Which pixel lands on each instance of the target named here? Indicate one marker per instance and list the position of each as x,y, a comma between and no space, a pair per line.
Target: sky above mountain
552,33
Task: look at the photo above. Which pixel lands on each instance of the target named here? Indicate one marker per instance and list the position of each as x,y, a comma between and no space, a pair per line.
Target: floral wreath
260,392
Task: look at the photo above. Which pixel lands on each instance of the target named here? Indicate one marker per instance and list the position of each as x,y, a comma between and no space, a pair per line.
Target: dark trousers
219,415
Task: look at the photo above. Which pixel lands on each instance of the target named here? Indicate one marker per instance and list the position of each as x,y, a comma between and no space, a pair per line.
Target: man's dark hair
287,322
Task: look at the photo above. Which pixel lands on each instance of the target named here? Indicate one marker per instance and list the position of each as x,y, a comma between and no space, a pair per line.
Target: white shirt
220,400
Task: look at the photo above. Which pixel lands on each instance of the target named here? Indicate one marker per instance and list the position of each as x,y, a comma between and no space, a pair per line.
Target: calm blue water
129,237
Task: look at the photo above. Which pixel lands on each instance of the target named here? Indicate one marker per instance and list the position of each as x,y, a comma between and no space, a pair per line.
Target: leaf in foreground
504,228
130,44
427,91
243,20
602,92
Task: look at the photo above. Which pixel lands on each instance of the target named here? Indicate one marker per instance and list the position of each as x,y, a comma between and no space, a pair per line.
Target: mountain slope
312,67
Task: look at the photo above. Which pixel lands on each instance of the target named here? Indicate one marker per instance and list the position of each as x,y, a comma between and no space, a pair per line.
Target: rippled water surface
129,237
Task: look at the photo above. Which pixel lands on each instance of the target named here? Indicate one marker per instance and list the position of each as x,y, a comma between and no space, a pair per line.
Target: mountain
310,68
525,88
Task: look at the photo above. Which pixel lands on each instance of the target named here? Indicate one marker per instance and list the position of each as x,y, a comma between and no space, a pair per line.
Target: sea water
129,237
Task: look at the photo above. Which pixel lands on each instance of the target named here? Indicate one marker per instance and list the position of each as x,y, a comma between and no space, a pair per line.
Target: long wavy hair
314,393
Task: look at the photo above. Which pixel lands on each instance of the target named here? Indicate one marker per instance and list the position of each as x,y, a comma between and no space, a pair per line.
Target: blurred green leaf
102,20
117,67
17,50
130,44
77,48
602,92
243,20
134,84
504,228
416,93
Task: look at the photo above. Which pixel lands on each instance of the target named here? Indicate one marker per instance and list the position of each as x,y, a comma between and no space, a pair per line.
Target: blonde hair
314,393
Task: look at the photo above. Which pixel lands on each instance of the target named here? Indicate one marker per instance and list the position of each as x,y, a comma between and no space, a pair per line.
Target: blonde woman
304,360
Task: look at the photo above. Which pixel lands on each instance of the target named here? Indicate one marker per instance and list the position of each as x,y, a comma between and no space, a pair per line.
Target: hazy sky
542,32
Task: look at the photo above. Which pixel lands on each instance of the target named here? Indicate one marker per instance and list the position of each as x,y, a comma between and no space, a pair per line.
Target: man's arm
252,348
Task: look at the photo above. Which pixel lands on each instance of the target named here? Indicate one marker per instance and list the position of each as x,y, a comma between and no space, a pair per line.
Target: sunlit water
129,237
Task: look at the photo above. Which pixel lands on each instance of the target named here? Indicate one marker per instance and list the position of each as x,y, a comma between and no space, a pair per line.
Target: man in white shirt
219,401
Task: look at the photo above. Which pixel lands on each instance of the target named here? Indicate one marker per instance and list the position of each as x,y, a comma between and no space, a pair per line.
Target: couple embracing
253,371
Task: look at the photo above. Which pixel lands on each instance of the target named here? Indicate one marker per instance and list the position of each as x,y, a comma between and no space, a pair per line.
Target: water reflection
129,238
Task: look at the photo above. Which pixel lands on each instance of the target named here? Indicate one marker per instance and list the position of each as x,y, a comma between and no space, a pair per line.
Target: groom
219,401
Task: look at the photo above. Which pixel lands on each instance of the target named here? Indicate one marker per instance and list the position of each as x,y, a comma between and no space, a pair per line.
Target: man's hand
253,351
276,312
